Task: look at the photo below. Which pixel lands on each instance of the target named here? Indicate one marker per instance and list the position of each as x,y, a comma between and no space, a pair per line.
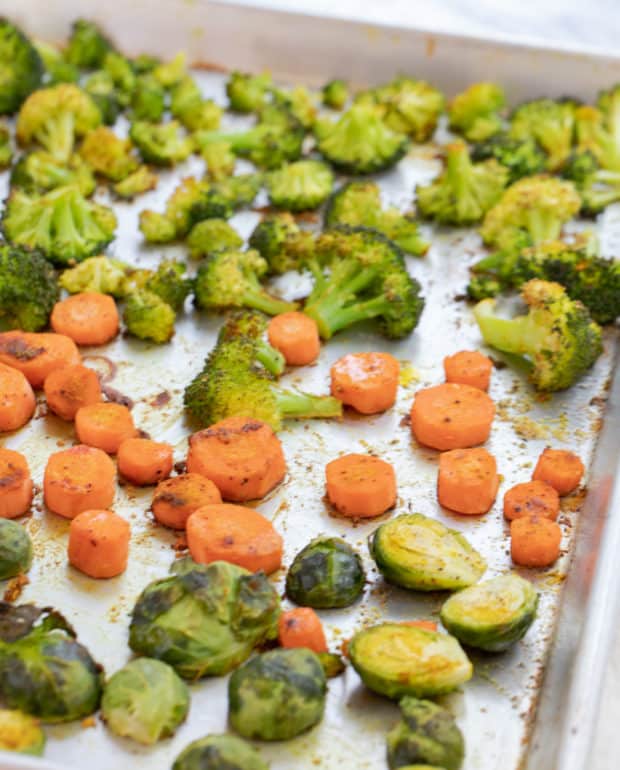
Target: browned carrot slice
534,541
70,388
143,462
78,479
469,367
176,499
531,498
88,318
15,484
296,336
104,426
37,354
366,381
17,401
560,468
467,481
99,543
427,625
302,627
360,486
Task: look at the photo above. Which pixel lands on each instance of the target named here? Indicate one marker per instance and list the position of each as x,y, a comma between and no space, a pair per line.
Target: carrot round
99,543
302,627
427,625
451,416
78,479
531,498
15,484
469,367
89,318
70,388
296,336
37,354
17,401
534,541
143,462
177,498
243,457
467,481
360,486
234,534
366,381
560,468
104,426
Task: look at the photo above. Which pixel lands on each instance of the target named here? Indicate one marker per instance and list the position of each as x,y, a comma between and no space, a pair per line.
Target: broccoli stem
293,404
521,335
270,358
58,135
543,226
260,300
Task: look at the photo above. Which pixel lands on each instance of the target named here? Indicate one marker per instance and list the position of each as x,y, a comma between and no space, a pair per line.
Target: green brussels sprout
327,573
425,733
15,549
333,665
44,671
396,659
277,695
416,552
20,733
491,615
219,752
204,620
145,701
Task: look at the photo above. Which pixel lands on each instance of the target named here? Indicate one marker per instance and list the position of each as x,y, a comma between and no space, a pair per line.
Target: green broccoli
608,103
191,109
359,203
101,89
57,68
148,102
367,279
281,243
55,117
21,70
220,160
170,283
161,143
148,317
156,227
557,338
169,73
62,224
248,93
6,148
475,113
335,94
359,142
145,63
123,76
38,172
87,46
495,273
464,191
212,235
549,123
598,187
28,289
100,274
520,157
301,103
176,221
300,186
252,326
139,181
221,199
108,155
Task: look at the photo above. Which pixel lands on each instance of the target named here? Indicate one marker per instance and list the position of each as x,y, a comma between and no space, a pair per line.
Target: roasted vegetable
475,113
248,93
169,73
148,101
162,144
220,160
149,317
300,186
191,109
15,549
549,123
598,187
251,327
100,87
57,68
219,752
333,665
87,46
519,157
108,155
139,181
169,282
28,289
38,172
22,68
281,243
212,235
20,733
6,150
101,274
335,94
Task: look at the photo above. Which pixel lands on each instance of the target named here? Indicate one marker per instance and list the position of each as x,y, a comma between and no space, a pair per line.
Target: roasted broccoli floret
191,109
367,280
101,89
21,70
598,187
54,117
28,289
251,326
464,191
248,93
281,243
335,94
176,221
170,283
169,73
557,336
38,172
6,150
549,123
212,235
220,160
145,63
87,46
475,113
148,101
139,181
221,199
494,273
300,186
359,142
100,274
148,317
300,102
520,157
359,203
162,144
62,224
123,76
108,155
57,68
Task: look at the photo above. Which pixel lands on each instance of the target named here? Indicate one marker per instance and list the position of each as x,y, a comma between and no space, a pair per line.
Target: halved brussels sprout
15,549
204,620
277,695
491,615
219,752
145,701
425,733
416,552
20,733
44,671
327,573
333,665
396,659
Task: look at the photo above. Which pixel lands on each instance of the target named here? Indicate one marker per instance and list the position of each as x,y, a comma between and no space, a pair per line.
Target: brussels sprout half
15,549
326,574
277,695
395,659
145,701
219,752
491,615
20,733
416,552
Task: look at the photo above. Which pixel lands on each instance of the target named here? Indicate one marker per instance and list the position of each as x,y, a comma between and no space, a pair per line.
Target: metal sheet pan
497,709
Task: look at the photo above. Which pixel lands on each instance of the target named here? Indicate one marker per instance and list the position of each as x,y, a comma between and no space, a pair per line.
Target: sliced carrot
143,462
560,468
104,426
366,381
78,479
427,625
469,367
99,543
360,486
243,457
302,627
17,401
176,499
467,481
534,541
296,336
70,388
531,498
37,354
451,416
89,318
234,534
15,484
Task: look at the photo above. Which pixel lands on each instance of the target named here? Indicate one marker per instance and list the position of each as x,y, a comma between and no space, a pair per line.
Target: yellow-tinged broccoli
148,101
162,144
6,148
168,74
101,89
212,235
108,155
598,187
38,172
335,94
148,317
99,274
176,221
169,283
57,68
549,123
557,337
28,289
220,160
248,93
191,109
123,76
21,70
300,186
87,46
156,227
139,181
252,326
300,102
476,112
281,243
520,157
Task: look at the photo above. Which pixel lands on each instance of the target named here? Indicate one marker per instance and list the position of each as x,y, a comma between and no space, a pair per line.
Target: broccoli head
281,243
301,103
139,181
520,157
99,274
6,150
123,76
87,46
475,113
145,63
598,187
608,103
593,137
162,144
176,221
101,89
550,123
220,160
170,283
57,68
156,227
28,289
148,101
250,325
496,272
221,199
248,93
38,172
21,68
300,186
191,109
359,203
464,191
169,73
212,235
148,317
335,94
108,155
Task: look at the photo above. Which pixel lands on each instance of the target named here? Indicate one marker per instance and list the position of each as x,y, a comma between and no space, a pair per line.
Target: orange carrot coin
531,498
37,354
15,484
17,401
88,318
469,367
560,468
467,481
296,336
360,486
177,498
534,541
70,388
104,426
78,479
302,627
427,625
143,462
99,543
366,381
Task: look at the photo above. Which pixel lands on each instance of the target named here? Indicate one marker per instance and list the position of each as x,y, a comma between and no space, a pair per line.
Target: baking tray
497,709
